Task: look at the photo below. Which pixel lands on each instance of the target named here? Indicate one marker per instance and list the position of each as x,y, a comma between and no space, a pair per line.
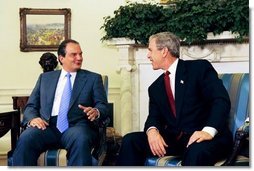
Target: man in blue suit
195,127
88,103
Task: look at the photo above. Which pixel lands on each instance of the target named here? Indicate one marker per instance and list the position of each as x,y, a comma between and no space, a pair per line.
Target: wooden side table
19,102
10,121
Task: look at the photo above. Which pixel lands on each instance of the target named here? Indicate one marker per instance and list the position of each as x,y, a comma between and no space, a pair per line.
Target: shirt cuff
151,128
98,116
210,130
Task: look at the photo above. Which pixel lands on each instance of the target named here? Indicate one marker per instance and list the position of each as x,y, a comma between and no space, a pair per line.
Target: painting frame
63,29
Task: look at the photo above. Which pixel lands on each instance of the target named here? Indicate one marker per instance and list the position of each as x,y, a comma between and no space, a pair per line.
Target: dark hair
48,61
61,49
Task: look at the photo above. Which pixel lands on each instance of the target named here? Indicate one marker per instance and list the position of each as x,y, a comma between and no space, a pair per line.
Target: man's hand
39,123
91,113
156,142
199,136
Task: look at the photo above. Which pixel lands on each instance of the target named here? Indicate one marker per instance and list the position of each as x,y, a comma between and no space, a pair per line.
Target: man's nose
79,57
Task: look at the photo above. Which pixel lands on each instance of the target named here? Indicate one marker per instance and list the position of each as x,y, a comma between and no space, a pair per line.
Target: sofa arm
241,134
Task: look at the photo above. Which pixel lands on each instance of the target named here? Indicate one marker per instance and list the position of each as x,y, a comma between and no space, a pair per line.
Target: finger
192,140
82,107
158,150
199,140
162,150
42,125
152,148
46,123
39,123
92,113
164,143
87,110
160,153
91,117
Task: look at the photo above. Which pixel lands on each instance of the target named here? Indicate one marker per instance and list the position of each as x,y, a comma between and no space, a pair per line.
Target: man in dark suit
88,102
195,127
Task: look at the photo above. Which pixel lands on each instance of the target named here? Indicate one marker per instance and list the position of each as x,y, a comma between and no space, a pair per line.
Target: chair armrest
102,123
100,149
241,134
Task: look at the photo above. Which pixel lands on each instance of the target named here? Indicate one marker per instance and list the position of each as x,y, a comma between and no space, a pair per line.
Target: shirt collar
172,68
63,73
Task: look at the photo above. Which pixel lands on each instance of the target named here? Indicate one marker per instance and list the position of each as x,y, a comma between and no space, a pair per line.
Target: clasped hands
91,113
157,143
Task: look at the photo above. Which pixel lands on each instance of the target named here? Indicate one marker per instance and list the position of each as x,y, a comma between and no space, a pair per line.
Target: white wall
20,70
86,20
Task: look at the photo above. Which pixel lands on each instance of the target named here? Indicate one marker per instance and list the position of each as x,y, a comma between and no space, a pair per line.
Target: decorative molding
195,52
225,37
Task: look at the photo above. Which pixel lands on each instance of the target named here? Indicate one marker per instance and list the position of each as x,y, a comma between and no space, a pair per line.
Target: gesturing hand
91,113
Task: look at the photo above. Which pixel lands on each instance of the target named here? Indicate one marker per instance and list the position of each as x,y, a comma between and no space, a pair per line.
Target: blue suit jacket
87,90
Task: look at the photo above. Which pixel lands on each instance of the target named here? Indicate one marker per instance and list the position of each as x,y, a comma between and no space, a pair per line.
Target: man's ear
60,58
164,51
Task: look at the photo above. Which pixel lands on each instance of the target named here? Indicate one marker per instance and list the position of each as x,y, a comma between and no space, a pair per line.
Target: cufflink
182,82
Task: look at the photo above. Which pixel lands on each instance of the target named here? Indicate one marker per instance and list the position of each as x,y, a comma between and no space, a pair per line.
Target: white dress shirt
59,90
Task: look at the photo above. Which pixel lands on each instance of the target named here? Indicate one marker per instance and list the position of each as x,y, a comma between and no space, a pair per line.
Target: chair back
105,83
238,87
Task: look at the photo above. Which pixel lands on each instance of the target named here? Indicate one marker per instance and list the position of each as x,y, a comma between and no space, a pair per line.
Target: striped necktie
62,119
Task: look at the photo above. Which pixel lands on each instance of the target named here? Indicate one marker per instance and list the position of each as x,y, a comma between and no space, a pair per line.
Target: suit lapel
180,84
79,83
52,81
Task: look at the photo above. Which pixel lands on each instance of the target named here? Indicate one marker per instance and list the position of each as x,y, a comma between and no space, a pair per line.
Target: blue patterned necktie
62,119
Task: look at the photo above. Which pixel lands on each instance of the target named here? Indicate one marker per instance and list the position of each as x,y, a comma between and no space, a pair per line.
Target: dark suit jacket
200,98
87,90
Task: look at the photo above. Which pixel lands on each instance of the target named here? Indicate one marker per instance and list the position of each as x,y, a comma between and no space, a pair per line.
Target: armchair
237,86
10,121
57,157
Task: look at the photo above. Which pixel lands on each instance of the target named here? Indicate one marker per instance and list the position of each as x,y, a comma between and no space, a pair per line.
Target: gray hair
168,40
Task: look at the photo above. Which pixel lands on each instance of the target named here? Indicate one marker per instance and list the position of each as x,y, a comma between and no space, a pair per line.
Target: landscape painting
43,29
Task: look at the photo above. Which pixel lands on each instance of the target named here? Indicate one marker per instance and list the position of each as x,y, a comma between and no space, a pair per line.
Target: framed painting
43,29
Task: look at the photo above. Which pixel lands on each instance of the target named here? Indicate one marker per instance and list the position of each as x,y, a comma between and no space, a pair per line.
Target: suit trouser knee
133,150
